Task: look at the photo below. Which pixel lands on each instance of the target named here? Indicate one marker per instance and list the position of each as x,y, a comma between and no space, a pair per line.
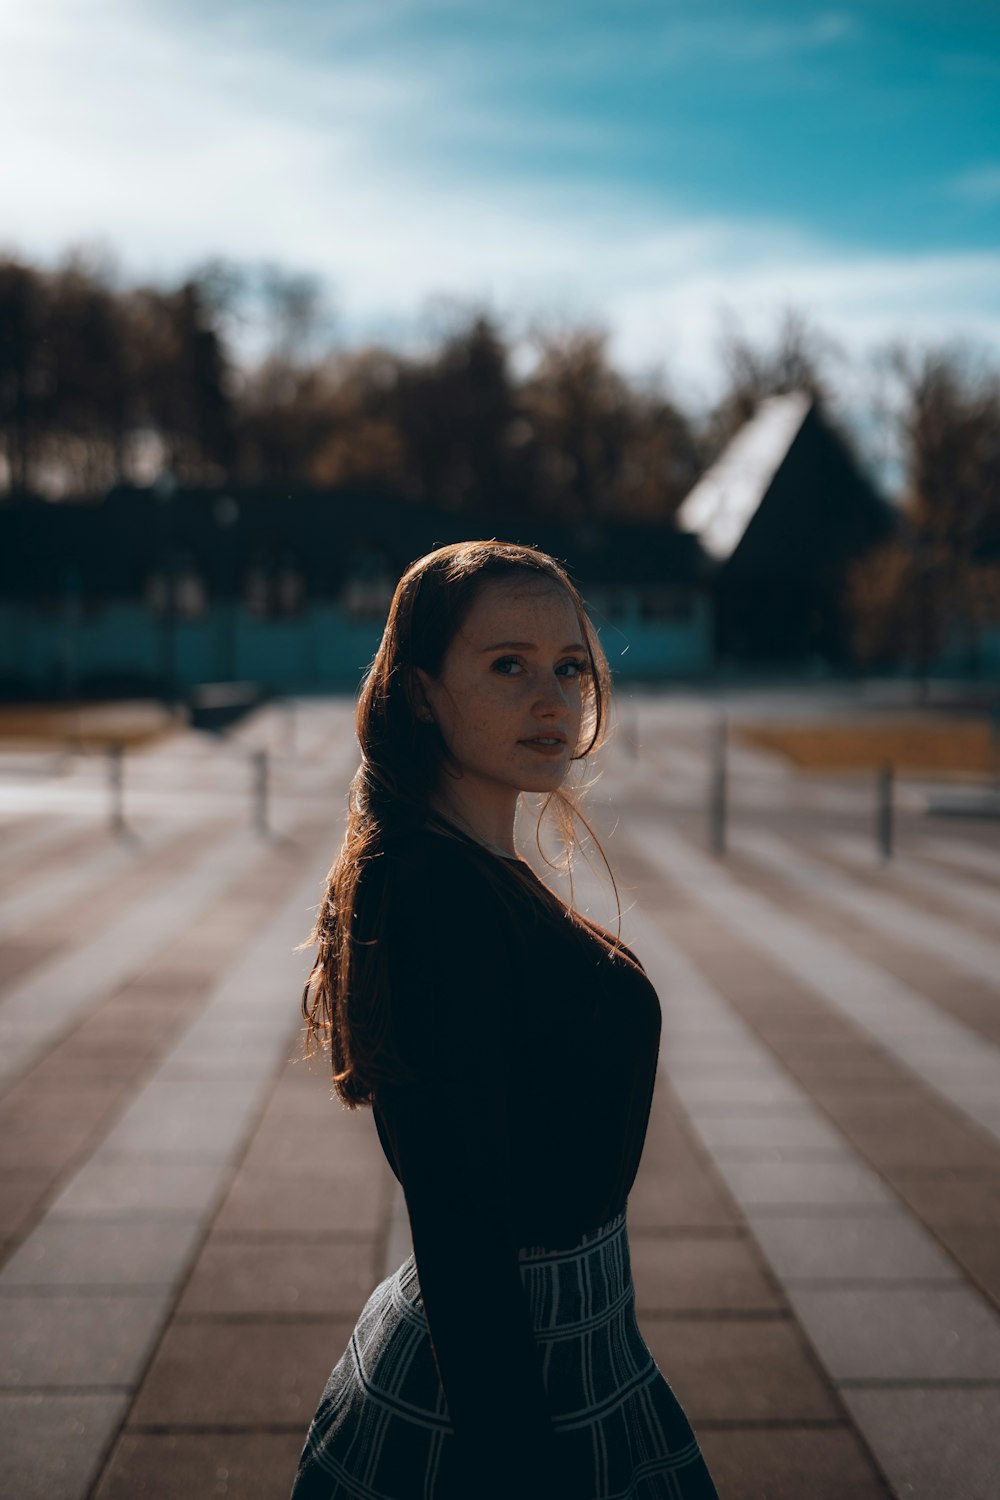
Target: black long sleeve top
530,1046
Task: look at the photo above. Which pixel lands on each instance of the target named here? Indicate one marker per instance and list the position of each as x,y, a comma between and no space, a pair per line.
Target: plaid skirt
382,1431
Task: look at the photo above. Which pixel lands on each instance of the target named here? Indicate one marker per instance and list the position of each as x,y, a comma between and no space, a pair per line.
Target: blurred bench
216,705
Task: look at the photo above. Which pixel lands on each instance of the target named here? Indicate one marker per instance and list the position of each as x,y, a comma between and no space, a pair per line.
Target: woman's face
508,699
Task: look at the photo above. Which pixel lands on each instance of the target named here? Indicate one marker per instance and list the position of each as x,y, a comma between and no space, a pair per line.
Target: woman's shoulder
611,942
423,868
416,849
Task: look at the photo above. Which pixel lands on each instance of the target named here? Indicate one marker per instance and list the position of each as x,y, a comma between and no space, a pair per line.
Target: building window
667,607
190,595
257,591
180,591
369,584
274,590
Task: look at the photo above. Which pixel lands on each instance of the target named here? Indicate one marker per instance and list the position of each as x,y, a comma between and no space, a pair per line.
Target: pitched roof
723,502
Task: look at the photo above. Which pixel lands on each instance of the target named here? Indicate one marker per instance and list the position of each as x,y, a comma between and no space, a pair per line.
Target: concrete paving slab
732,1091
900,1131
948,1200
22,1194
342,1159
740,1137
967,952
899,1333
19,958
123,1188
892,1126
47,1102
188,1117
58,1340
255,1273
333,1164
724,1062
719,1273
42,1152
300,1103
37,901
37,834
116,1253
781,1185
297,1208
53,1444
963,896
909,1026
175,1466
111,1043
933,1444
788,1463
669,1146
979,1249
221,1051
840,1062
982,862
678,977
225,1374
863,1247
736,1370
55,995
239,1277
688,1200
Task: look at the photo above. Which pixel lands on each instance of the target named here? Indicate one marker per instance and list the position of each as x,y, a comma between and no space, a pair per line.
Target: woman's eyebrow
529,646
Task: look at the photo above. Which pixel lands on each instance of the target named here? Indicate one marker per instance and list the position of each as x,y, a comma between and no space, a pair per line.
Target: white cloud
864,301
979,184
134,133
754,38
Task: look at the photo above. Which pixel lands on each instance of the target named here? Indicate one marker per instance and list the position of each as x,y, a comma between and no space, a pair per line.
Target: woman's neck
493,829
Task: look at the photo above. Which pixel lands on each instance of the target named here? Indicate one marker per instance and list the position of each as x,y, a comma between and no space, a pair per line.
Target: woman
508,1048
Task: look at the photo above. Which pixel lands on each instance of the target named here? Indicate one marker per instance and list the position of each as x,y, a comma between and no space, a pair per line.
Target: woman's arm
451,973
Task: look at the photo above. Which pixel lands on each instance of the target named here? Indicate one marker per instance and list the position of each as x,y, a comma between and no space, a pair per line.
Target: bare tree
577,408
801,357
939,585
89,415
457,416
22,368
182,378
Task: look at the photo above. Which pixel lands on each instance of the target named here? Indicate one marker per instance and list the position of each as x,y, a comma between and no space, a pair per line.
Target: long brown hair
402,761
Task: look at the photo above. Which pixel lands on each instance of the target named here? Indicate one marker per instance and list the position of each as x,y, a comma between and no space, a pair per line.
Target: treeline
936,585
104,384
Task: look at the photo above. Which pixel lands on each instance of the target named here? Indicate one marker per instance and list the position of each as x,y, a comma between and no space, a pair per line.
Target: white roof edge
723,502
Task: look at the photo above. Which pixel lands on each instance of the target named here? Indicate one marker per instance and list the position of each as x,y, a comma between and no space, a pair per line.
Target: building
783,513
151,592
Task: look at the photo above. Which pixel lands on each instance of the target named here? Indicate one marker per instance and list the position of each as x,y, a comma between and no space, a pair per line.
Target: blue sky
654,167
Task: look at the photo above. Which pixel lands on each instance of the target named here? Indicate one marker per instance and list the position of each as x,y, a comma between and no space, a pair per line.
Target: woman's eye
572,668
508,666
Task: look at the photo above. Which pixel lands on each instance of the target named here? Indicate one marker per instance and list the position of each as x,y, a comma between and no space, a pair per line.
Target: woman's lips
547,745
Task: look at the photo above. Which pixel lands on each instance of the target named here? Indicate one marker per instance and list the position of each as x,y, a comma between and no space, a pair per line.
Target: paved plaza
190,1226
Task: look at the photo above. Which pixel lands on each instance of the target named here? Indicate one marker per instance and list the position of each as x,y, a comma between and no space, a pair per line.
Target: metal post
718,789
260,792
884,810
116,785
71,657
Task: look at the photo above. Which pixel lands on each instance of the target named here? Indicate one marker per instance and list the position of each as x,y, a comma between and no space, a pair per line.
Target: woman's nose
551,696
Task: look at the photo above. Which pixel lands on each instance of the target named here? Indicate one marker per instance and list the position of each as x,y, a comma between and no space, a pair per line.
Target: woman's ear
416,691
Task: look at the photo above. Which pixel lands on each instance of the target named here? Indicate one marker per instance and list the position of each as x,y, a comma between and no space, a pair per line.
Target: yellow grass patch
967,746
91,726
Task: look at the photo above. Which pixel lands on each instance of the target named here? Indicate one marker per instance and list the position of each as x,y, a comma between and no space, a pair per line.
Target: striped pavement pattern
189,1227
